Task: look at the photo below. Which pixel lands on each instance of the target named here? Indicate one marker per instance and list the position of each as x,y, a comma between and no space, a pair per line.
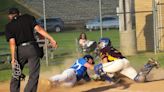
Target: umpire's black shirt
21,28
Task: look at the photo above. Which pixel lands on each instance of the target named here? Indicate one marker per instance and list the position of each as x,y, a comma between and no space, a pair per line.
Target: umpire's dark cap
13,11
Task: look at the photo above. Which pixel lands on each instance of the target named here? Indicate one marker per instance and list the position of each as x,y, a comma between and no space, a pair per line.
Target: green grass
140,59
3,44
68,46
5,75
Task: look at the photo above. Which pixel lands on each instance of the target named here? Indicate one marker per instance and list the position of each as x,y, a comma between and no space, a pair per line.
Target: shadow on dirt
122,84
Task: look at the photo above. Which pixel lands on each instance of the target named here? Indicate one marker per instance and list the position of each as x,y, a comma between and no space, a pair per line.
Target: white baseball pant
67,78
121,65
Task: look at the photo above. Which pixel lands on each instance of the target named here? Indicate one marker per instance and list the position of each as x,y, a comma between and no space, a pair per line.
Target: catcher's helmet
103,42
87,57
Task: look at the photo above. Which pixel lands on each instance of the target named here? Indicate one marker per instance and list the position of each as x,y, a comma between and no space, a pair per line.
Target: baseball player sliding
112,61
75,73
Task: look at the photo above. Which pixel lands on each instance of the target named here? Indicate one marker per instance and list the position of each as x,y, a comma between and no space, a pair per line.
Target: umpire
24,48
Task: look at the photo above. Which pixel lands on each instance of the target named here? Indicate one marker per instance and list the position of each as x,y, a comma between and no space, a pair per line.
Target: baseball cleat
153,62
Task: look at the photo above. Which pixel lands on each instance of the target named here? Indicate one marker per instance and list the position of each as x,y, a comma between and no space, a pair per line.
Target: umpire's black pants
27,54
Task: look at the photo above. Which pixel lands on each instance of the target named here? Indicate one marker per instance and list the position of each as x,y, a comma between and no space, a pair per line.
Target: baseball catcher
114,62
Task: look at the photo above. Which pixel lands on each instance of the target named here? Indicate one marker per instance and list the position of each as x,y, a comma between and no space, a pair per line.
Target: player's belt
27,43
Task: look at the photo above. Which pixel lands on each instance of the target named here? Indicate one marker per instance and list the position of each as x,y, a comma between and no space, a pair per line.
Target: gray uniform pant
27,54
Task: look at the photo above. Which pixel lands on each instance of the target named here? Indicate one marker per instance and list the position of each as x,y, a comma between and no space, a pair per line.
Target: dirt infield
126,85
156,85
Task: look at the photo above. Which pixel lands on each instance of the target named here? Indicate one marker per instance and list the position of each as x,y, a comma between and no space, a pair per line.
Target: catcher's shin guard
141,77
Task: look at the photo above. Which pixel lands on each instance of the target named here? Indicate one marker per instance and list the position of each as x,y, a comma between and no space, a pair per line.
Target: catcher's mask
103,42
17,72
87,57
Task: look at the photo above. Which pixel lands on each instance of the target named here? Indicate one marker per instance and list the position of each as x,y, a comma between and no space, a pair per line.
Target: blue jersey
79,67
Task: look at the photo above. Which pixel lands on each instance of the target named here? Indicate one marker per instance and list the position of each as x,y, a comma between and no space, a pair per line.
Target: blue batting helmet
87,57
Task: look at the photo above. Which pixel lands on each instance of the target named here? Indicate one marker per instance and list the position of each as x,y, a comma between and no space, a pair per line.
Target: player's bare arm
40,30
